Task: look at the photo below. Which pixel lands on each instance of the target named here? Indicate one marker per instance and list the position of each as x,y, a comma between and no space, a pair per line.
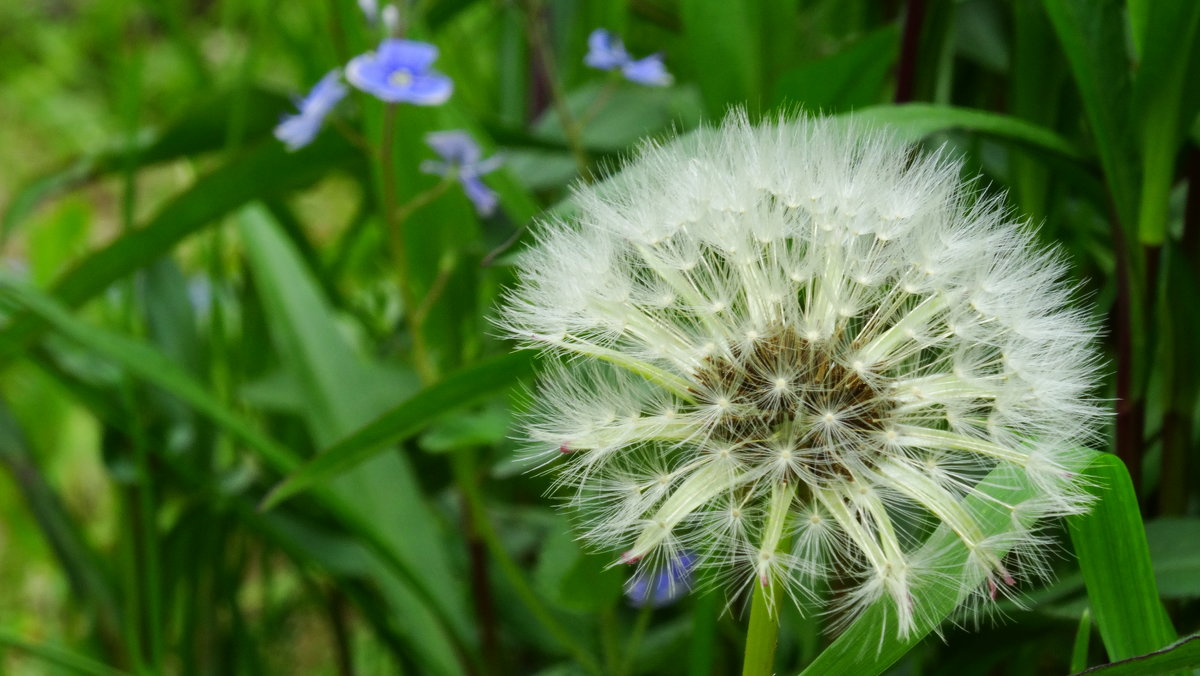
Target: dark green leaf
266,170
1119,578
1181,656
463,388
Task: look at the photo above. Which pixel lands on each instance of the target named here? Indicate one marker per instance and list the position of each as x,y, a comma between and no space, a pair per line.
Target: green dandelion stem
763,633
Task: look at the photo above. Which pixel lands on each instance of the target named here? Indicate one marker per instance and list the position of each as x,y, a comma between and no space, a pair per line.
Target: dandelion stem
763,633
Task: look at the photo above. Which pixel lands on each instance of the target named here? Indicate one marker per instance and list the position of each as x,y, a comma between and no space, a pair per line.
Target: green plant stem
635,639
762,634
535,33
512,571
394,219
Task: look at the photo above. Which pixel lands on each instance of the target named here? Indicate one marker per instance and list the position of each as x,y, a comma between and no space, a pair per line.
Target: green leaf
57,655
203,128
341,391
466,387
1165,102
724,42
870,644
1175,555
1110,544
147,363
570,578
918,120
266,170
469,429
1092,34
1181,656
1083,639
851,78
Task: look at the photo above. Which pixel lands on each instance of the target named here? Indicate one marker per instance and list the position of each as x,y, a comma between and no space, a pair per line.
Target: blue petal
605,51
429,89
648,71
662,587
409,54
297,131
483,197
455,146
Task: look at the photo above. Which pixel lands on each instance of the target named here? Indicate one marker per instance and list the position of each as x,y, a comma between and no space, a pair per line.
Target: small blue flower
607,52
662,587
462,158
297,131
400,72
648,71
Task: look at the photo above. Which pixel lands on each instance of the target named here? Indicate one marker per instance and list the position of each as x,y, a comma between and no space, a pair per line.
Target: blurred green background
189,312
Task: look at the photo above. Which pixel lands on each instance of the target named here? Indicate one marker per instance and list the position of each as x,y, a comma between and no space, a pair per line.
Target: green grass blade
266,170
1083,640
146,363
458,390
1110,543
870,645
1092,34
67,659
341,391
723,47
202,129
851,78
1181,656
1165,101
917,120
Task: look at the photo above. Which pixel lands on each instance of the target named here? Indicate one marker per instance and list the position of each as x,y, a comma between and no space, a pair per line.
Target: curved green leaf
1181,656
917,120
1110,543
266,170
463,388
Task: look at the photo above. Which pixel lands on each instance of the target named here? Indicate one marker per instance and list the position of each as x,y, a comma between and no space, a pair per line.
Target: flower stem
762,634
536,35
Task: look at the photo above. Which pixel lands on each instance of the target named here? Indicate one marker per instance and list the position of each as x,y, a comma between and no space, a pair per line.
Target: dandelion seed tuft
790,350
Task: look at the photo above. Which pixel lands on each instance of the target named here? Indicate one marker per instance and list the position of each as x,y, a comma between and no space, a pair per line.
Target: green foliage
254,418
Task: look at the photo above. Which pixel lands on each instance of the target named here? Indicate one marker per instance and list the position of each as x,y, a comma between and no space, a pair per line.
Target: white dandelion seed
789,349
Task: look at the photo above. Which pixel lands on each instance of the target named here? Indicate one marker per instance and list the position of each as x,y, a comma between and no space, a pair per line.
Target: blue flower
662,587
462,158
607,52
399,72
297,131
648,71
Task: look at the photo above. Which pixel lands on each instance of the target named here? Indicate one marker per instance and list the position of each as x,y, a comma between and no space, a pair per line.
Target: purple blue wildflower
607,52
297,131
400,71
664,586
462,159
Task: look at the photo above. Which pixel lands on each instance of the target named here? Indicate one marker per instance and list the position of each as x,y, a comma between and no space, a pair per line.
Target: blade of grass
1110,543
917,120
1083,636
341,391
1182,656
1165,102
201,129
870,645
57,655
151,365
458,390
263,171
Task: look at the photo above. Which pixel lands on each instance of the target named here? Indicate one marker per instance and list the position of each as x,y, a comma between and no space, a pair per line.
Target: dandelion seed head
804,345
